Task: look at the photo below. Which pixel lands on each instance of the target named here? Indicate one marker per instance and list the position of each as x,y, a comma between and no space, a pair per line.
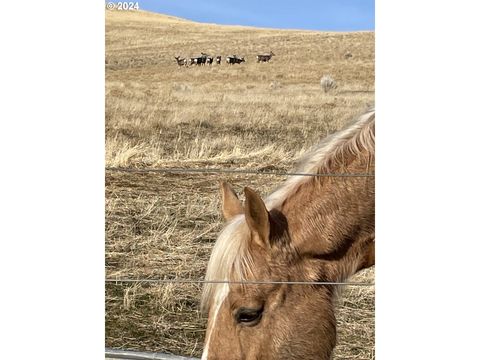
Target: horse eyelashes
248,317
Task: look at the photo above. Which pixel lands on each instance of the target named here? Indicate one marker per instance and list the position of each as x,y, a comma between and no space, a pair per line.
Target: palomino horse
311,228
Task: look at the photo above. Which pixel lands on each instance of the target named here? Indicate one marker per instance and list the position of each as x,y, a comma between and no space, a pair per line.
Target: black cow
199,60
233,59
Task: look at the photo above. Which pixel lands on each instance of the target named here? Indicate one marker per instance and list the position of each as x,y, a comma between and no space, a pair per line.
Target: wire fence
252,282
122,281
119,281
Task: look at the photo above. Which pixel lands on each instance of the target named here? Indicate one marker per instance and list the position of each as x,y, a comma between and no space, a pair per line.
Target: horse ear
231,205
257,217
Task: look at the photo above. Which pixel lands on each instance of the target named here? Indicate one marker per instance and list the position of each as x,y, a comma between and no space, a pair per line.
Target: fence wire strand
253,282
231,171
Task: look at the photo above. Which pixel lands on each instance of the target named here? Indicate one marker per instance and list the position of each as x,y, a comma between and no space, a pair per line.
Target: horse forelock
231,260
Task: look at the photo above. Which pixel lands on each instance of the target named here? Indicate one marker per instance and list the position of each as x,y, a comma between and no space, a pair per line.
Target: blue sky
334,15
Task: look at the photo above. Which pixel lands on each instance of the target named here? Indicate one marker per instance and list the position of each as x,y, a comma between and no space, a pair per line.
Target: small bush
274,85
327,83
181,87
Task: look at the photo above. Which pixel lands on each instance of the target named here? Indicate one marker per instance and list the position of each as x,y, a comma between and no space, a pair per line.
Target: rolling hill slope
249,116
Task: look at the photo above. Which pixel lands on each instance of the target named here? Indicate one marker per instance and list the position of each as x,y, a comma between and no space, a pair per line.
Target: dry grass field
246,116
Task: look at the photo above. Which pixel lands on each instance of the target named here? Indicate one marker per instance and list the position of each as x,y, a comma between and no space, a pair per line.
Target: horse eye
248,317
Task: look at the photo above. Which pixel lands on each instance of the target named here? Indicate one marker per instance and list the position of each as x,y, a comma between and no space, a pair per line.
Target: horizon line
245,26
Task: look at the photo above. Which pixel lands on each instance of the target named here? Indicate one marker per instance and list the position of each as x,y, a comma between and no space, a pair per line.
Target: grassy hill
251,116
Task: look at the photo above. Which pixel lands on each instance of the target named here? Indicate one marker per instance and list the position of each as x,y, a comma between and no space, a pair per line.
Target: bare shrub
327,83
181,87
274,85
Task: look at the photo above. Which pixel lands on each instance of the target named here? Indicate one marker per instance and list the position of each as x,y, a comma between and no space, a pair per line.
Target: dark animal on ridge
181,61
233,59
265,57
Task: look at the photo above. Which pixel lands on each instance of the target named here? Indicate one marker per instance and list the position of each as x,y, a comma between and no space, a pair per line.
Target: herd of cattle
206,59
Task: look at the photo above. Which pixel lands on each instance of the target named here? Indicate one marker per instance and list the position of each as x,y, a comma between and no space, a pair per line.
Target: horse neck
331,222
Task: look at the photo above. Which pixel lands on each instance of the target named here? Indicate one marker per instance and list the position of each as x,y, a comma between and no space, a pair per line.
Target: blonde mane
231,259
